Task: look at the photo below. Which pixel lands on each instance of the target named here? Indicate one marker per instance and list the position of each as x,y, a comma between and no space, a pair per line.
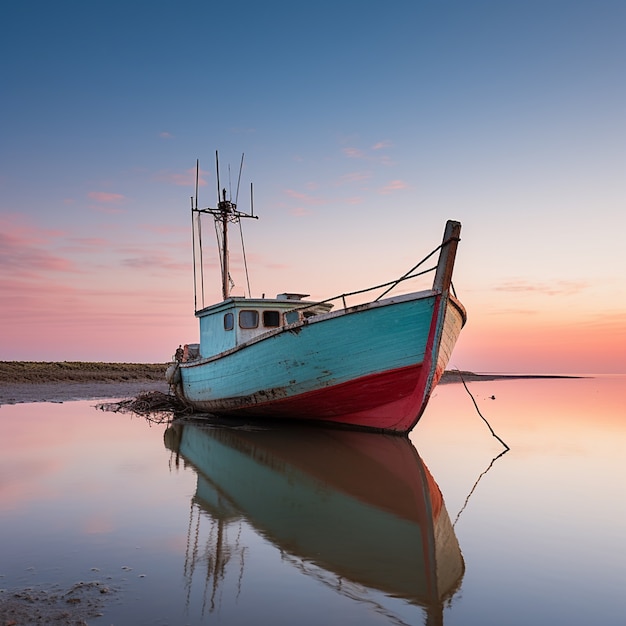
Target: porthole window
248,319
271,319
229,321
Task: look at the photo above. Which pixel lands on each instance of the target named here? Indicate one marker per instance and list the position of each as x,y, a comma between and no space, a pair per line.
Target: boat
372,365
357,510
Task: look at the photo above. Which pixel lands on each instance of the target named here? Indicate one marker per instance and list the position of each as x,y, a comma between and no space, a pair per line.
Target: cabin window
229,321
248,319
292,316
271,319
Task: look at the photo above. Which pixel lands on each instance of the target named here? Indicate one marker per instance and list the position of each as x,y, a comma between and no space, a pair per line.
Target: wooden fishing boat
373,365
358,508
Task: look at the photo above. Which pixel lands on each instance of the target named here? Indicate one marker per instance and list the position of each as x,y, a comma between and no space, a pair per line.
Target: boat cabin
237,320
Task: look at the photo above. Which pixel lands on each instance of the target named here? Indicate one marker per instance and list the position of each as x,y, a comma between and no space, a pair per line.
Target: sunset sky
365,125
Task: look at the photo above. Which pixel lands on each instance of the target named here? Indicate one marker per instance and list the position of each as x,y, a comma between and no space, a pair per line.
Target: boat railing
388,286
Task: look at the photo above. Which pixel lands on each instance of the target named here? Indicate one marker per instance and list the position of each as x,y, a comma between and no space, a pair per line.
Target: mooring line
479,413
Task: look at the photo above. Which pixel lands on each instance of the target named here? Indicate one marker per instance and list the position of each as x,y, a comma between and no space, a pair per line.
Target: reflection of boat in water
361,506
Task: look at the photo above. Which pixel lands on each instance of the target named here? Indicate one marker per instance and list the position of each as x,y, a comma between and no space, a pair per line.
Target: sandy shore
16,393
39,381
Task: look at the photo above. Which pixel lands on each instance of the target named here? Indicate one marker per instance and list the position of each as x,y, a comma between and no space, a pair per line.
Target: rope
479,413
399,280
506,449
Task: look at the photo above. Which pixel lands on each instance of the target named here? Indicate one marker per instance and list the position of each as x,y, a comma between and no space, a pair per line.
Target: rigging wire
201,260
245,262
219,244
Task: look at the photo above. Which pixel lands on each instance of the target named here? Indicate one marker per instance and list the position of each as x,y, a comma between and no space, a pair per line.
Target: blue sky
365,126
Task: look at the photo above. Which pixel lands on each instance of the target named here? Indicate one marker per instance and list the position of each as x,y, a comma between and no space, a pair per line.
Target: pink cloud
89,242
182,179
165,229
17,226
296,194
303,197
166,135
23,251
394,185
354,200
353,153
105,196
57,303
154,261
299,212
356,153
381,144
558,287
354,177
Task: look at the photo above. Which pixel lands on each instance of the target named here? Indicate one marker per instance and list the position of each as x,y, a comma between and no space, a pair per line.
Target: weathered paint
372,366
342,500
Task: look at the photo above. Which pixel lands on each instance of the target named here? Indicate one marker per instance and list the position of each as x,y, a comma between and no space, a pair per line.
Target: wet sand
36,381
52,604
17,393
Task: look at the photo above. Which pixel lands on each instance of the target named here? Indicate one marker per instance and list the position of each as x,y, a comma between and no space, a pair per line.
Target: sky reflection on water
224,526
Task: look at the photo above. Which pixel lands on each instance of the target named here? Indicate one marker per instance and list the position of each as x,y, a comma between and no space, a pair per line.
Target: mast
225,212
225,208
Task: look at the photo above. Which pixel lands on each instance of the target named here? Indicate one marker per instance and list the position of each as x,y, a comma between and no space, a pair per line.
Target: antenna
193,248
239,178
197,177
217,167
199,244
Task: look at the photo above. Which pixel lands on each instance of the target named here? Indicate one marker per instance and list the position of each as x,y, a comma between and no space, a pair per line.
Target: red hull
391,401
356,403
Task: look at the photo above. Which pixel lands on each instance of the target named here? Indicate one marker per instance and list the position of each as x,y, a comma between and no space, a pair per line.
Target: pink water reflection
542,531
54,451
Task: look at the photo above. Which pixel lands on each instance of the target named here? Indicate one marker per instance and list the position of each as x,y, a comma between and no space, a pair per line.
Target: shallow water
236,525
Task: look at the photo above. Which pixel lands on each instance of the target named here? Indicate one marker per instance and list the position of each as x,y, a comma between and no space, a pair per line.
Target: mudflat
38,381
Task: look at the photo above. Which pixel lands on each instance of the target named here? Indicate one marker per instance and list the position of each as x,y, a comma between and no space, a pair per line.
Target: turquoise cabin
237,320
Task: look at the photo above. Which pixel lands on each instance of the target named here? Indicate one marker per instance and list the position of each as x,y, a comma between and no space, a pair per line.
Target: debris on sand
155,406
54,605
